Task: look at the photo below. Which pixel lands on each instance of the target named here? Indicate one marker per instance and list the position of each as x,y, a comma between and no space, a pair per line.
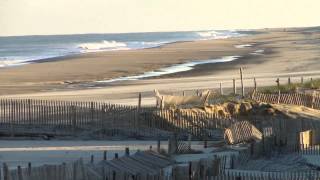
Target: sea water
21,50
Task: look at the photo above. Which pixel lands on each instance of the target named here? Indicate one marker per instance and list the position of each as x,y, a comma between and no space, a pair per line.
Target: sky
39,17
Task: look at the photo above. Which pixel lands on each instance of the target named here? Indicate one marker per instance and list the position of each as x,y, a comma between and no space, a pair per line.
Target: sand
274,53
20,152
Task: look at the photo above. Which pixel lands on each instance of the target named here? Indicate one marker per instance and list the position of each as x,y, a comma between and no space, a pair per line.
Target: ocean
21,50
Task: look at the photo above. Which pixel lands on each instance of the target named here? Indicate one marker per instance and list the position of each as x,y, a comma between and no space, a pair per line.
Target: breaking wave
218,34
115,46
104,45
9,63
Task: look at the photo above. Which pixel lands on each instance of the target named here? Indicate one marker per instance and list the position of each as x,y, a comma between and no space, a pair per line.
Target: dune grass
287,88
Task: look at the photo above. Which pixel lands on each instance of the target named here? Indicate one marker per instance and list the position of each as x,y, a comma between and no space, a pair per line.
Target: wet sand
273,52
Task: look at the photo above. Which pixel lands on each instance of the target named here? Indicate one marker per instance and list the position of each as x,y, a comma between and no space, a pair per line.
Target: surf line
172,69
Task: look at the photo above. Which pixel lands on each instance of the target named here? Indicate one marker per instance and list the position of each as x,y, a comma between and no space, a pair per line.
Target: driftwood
166,101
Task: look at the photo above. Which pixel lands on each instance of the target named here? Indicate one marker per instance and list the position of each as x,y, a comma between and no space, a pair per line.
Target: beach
265,54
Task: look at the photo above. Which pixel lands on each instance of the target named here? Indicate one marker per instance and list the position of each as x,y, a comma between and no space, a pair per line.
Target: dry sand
274,52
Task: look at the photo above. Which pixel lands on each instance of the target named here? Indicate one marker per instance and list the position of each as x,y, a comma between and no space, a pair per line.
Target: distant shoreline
36,49
271,51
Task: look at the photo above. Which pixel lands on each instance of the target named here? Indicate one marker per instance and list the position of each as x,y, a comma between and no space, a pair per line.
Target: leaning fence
301,99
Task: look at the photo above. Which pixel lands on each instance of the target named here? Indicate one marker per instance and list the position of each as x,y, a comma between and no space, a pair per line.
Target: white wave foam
10,63
172,69
218,35
103,45
258,52
243,45
116,46
208,33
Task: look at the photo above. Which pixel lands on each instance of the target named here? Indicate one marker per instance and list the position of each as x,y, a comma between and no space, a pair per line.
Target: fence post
216,166
201,171
92,159
189,141
12,108
289,80
278,83
221,90
64,170
29,169
242,87
19,173
138,110
5,172
301,79
74,118
29,111
255,84
312,99
127,151
190,171
252,149
162,102
279,94
74,172
114,175
234,86
263,145
183,93
232,161
158,146
104,155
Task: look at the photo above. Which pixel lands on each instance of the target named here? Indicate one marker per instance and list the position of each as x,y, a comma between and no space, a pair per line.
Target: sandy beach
265,54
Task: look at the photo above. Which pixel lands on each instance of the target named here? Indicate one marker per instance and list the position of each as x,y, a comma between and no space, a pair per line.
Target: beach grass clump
292,87
315,84
218,99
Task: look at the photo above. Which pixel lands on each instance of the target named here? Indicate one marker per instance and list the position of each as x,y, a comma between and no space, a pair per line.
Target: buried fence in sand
40,117
53,117
27,117
279,136
150,165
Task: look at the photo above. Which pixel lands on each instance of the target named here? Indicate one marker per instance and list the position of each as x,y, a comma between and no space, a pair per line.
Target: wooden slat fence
302,149
308,100
267,147
142,166
40,115
199,124
259,175
19,116
65,171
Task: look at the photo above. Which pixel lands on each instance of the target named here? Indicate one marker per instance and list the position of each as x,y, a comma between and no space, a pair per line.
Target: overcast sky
26,17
